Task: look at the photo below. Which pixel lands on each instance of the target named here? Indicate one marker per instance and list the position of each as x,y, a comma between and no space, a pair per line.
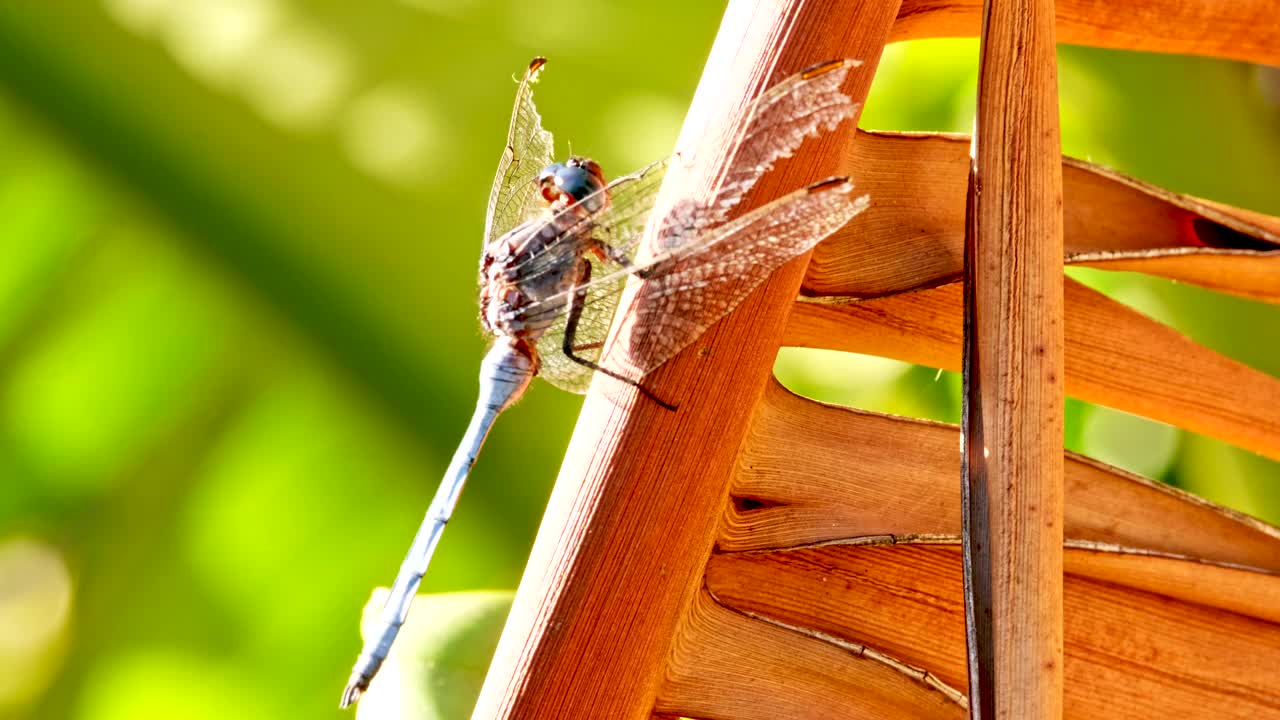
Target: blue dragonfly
561,243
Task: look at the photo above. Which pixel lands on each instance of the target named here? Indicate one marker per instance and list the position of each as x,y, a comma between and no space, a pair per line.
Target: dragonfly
561,243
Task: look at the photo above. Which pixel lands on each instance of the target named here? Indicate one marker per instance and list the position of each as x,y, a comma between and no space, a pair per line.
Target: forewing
703,266
622,222
690,290
588,339
620,225
514,196
801,106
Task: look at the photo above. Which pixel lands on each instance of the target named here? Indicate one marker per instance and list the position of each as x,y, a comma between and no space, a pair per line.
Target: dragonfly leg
576,305
607,252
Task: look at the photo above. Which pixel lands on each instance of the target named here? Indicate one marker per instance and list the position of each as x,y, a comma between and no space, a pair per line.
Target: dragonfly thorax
534,264
540,259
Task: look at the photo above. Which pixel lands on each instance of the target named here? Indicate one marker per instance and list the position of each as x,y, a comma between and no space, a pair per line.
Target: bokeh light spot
35,605
299,76
390,133
564,29
140,16
214,38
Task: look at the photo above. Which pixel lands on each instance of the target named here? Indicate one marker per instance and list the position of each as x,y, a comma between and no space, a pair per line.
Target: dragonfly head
576,180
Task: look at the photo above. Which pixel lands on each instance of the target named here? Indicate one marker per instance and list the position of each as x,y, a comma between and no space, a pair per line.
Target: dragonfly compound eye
575,181
547,182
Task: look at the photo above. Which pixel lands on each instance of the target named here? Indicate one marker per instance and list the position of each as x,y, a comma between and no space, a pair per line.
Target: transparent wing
598,308
801,106
703,267
619,226
513,198
620,223
690,290
773,127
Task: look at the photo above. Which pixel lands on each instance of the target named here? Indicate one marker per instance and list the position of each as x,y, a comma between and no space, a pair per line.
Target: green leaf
439,661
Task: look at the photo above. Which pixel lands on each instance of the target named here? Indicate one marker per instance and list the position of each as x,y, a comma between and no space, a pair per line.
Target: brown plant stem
631,522
1012,466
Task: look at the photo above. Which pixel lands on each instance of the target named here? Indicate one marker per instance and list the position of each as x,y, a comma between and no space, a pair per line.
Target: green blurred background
238,247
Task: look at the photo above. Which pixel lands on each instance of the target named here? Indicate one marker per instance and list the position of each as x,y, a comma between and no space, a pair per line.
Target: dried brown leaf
1237,29
814,473
1138,644
1115,356
622,546
914,236
725,664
